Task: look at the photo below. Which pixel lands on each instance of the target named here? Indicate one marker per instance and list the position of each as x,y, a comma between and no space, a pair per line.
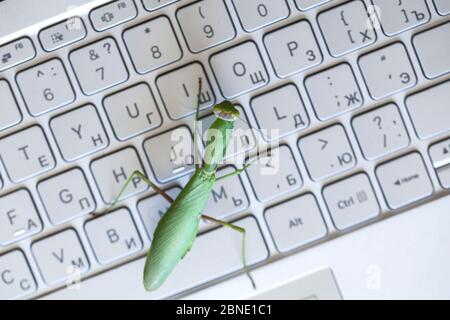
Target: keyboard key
381,132
351,201
16,279
274,174
112,14
10,110
334,91
152,45
308,4
113,236
66,196
60,257
242,139
16,52
19,218
289,55
296,223
112,171
26,154
399,16
45,87
132,111
346,28
404,180
434,62
151,5
62,34
171,154
442,6
387,71
79,133
239,70
205,24
440,153
327,152
257,14
194,270
280,112
98,66
440,156
227,197
179,90
151,209
429,110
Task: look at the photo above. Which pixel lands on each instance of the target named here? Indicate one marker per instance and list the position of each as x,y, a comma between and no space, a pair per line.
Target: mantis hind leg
144,178
243,232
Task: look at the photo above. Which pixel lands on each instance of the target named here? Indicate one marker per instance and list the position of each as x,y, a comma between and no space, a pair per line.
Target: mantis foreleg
243,232
147,181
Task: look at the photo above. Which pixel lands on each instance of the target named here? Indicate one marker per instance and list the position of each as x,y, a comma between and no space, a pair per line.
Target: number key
255,14
98,66
205,24
152,45
45,87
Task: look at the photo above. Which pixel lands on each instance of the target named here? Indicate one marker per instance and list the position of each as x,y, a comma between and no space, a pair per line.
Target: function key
16,52
62,34
151,5
112,14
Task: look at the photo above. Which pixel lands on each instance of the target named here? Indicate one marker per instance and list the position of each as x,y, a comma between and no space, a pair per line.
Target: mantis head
226,111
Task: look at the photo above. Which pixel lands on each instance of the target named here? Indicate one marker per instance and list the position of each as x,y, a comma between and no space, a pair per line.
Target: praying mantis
177,229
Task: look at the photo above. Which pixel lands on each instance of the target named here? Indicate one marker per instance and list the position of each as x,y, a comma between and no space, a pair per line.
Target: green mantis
177,229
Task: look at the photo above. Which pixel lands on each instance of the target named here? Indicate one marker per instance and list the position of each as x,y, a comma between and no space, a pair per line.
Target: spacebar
214,254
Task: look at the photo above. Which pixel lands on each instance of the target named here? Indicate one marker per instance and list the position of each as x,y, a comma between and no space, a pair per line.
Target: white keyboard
359,91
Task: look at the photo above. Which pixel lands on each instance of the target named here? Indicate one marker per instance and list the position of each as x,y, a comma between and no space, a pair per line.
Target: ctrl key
16,279
296,222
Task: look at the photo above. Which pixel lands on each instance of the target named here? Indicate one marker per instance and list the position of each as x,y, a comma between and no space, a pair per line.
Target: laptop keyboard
359,91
